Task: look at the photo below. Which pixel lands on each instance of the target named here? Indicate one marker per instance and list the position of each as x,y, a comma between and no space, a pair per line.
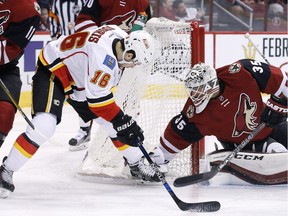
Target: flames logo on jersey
244,119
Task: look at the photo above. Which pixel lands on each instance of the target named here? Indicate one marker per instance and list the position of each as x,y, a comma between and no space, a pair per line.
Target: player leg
80,141
47,92
25,146
164,153
83,136
11,78
7,114
275,143
162,157
139,167
279,134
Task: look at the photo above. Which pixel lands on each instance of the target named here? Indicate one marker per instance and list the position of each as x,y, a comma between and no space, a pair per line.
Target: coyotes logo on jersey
244,119
4,16
124,21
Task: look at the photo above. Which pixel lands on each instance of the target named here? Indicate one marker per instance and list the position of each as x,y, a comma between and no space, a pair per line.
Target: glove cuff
279,100
277,105
117,117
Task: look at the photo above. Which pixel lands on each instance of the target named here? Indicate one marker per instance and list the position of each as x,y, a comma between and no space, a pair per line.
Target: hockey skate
80,141
143,170
6,182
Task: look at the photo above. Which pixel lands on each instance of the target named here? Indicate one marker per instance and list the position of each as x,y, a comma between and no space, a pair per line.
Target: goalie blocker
250,168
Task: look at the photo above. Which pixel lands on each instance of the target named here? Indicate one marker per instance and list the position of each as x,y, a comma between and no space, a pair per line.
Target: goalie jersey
232,115
87,67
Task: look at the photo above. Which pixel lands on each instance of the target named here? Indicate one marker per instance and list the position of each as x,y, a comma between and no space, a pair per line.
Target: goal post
152,95
197,54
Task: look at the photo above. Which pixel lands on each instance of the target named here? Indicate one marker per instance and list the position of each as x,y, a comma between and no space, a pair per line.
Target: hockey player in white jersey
84,66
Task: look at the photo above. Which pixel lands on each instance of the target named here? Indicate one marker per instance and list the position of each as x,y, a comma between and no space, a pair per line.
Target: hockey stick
3,86
210,206
192,179
247,36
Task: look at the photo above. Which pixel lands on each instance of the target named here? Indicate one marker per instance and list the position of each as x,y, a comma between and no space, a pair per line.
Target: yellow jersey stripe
21,150
102,103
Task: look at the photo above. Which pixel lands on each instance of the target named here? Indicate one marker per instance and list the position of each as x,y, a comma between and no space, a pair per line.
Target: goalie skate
80,141
6,183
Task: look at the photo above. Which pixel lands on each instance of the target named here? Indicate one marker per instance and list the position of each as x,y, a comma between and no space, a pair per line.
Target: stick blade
193,179
210,206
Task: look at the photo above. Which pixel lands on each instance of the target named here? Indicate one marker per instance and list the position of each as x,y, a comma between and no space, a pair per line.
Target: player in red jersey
108,12
96,13
18,22
227,103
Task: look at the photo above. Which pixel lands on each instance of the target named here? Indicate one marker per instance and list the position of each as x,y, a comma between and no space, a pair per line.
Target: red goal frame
197,55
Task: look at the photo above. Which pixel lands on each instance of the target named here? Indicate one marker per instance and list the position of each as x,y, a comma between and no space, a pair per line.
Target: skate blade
78,148
4,193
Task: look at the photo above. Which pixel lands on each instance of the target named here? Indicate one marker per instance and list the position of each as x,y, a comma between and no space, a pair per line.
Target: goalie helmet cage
152,96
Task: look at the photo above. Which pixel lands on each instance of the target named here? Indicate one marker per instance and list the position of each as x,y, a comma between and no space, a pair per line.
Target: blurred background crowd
216,15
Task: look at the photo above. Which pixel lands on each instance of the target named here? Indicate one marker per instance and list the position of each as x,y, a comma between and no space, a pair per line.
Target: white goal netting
152,96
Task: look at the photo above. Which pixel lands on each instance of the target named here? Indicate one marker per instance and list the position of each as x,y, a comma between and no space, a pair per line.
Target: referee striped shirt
63,15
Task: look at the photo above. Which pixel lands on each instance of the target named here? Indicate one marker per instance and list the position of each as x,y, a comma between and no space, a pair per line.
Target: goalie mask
141,44
201,83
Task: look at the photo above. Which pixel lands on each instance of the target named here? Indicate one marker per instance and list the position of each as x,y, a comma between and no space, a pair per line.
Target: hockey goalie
227,103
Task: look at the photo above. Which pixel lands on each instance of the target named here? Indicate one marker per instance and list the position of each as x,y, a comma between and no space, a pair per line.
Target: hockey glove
275,111
128,131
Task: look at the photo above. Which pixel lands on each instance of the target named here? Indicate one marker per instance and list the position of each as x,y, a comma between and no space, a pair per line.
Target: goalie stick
209,206
193,179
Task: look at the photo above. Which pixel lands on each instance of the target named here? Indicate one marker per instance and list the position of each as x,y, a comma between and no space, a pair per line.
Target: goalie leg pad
158,157
254,168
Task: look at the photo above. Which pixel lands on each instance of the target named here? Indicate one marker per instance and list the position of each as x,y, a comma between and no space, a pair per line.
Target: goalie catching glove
275,111
128,131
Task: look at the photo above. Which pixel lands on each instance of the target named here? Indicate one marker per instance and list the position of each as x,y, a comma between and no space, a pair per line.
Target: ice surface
47,186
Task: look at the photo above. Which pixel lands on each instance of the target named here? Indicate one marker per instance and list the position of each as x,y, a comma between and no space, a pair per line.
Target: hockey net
152,96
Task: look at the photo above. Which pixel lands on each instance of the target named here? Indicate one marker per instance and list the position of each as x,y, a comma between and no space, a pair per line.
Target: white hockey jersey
87,67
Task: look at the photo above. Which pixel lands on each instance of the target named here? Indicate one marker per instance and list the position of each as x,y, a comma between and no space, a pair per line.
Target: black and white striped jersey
63,15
